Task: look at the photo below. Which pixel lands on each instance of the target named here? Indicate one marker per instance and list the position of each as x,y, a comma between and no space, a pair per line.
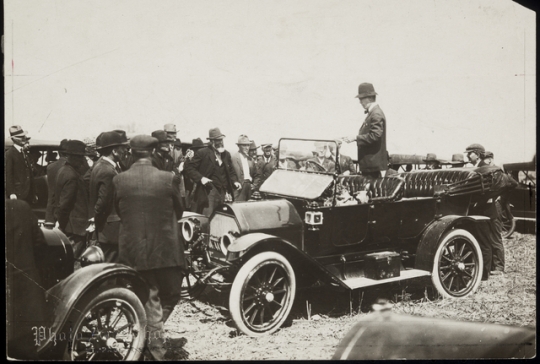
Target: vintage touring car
312,227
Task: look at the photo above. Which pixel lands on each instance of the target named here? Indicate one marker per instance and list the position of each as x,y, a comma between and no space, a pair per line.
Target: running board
361,282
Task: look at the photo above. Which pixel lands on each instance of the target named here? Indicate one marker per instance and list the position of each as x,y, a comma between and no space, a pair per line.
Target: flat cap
474,148
143,142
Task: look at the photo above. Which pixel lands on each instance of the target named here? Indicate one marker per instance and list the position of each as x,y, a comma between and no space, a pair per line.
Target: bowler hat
162,137
169,128
197,143
75,147
17,131
365,89
111,139
457,159
243,140
253,146
63,144
215,133
431,157
475,148
143,142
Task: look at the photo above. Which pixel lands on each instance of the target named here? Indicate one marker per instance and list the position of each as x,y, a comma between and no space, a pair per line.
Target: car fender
64,296
432,235
306,268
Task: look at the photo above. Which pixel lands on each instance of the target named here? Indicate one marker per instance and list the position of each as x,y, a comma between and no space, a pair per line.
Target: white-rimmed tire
458,264
262,294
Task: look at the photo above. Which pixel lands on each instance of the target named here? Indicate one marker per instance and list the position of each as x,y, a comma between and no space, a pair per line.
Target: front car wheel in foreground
262,294
108,326
457,266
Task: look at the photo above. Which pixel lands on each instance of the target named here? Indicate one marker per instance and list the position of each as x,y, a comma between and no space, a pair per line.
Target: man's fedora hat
75,147
111,139
16,131
170,128
365,89
475,148
215,133
162,136
253,146
143,142
197,143
431,157
457,159
243,140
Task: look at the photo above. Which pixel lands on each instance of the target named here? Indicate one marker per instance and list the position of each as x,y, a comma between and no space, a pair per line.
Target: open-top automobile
312,227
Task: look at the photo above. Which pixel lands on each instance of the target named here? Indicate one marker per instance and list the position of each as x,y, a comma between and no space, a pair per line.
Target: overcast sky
448,73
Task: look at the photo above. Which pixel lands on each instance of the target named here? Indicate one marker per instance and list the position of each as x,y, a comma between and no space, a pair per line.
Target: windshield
308,155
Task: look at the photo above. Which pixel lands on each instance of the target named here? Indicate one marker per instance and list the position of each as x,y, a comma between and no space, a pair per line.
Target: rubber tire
435,277
92,299
238,284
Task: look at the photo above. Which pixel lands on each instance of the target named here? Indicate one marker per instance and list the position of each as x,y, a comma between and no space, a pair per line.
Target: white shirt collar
110,161
371,106
18,147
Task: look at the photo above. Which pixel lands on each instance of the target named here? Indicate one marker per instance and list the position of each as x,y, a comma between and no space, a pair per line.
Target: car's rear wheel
107,326
262,294
457,267
508,221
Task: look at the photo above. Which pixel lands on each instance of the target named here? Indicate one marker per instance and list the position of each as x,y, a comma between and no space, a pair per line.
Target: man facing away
71,196
112,146
371,138
147,201
245,169
212,172
19,175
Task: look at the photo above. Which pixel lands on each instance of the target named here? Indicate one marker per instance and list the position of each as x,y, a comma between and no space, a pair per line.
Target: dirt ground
203,330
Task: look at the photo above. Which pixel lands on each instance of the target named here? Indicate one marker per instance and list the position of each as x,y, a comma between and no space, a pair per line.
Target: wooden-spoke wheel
262,294
192,286
457,268
111,326
508,221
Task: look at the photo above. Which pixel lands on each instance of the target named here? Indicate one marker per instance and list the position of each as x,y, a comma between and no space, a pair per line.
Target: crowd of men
136,190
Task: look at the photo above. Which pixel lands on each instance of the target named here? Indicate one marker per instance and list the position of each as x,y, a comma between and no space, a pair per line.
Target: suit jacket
52,173
101,201
371,142
146,199
71,200
204,164
345,162
327,163
166,162
265,169
19,175
239,169
25,246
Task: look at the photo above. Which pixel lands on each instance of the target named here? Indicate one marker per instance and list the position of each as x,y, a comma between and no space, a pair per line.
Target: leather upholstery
379,189
422,183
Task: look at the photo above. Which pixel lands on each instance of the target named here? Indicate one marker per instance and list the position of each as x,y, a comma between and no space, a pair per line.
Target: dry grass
204,330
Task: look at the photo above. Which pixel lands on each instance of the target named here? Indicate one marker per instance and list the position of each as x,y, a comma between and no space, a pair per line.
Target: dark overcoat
52,173
101,202
25,301
204,164
71,201
371,142
146,199
265,169
19,175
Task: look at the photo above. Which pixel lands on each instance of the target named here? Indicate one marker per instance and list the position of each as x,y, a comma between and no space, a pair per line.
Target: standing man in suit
212,171
19,174
52,173
71,196
146,199
245,168
265,165
371,138
112,145
346,163
196,144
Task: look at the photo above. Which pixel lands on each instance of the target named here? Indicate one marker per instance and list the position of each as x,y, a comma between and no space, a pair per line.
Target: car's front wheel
457,266
262,294
107,326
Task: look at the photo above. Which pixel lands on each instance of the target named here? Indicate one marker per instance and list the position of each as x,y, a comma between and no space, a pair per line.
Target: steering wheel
317,167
